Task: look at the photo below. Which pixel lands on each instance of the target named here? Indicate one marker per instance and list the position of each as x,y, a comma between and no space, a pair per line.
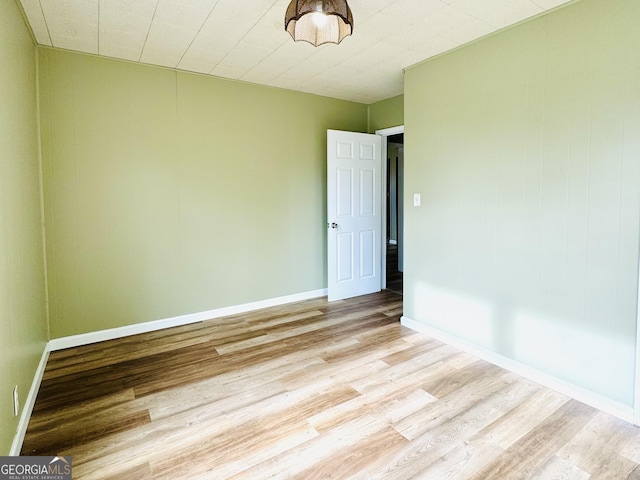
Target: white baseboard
583,395
128,330
27,409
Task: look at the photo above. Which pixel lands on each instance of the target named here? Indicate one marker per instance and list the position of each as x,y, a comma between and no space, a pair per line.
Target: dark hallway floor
394,277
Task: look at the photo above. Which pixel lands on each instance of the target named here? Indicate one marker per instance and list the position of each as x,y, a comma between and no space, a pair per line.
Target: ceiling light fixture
318,21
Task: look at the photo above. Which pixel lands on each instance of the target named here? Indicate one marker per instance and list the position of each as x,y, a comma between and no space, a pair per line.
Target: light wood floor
309,391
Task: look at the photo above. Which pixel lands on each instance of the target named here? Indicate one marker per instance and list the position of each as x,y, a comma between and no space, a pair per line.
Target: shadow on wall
594,358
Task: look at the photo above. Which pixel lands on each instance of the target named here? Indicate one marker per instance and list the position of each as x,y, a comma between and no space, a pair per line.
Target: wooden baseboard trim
113,333
27,408
583,395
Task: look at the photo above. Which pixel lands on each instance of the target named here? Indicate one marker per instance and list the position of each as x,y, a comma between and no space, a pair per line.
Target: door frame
384,133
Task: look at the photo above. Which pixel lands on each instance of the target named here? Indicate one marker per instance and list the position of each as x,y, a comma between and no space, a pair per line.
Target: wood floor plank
355,458
136,346
239,388
327,449
137,472
631,444
442,411
462,461
382,400
293,329
348,369
511,427
225,456
416,350
64,435
313,390
532,451
614,467
396,372
558,469
122,398
635,474
445,434
595,448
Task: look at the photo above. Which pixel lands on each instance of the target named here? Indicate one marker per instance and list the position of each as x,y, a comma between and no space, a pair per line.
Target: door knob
334,225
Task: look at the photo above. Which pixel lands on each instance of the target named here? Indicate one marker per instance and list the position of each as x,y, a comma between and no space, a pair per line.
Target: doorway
393,261
395,217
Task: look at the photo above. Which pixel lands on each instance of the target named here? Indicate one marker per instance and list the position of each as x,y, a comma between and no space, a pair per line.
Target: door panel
367,193
368,254
345,193
354,196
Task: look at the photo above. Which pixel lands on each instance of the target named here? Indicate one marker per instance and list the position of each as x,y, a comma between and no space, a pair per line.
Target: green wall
386,113
525,148
23,324
170,193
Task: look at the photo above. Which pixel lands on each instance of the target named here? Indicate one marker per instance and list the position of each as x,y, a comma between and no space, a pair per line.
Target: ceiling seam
243,36
262,61
197,33
144,45
46,24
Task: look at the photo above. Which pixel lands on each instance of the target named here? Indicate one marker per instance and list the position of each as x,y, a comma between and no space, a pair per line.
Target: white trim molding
386,132
27,409
135,329
637,379
583,395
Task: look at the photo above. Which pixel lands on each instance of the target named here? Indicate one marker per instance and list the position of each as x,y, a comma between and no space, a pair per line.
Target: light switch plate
416,199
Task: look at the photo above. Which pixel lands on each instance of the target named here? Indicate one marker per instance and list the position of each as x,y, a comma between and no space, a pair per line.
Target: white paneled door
354,213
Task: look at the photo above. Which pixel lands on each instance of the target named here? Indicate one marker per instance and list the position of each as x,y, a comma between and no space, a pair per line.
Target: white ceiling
246,40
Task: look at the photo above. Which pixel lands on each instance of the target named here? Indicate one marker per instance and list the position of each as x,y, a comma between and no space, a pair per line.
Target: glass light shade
303,23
